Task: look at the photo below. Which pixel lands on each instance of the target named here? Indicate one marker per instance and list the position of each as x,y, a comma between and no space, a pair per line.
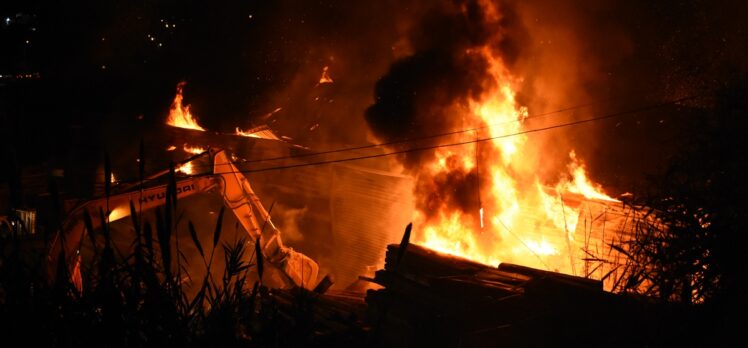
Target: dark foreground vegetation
690,244
148,298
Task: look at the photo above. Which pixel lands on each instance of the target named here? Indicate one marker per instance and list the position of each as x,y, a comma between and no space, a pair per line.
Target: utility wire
424,137
431,147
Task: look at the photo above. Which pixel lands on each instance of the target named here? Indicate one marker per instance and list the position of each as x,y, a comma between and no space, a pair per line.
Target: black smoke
427,93
422,93
615,56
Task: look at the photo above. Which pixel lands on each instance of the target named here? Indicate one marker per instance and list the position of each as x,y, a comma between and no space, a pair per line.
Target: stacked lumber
429,298
425,298
308,318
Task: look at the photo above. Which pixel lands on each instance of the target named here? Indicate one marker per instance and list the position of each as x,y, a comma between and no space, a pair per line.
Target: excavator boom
239,196
298,269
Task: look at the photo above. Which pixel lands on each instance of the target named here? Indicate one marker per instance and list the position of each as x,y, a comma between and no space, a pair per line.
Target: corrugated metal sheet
369,209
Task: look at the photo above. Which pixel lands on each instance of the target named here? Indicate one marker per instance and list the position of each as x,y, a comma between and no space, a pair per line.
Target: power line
431,147
424,137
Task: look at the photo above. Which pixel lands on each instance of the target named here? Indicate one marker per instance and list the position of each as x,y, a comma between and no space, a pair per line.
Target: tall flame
179,115
517,217
580,184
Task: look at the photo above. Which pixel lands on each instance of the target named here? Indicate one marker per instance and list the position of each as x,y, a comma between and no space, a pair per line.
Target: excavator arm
238,195
298,269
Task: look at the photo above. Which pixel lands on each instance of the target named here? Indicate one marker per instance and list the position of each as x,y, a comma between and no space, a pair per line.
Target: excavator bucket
301,269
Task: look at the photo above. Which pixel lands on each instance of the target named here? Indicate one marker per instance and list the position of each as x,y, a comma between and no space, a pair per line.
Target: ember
325,78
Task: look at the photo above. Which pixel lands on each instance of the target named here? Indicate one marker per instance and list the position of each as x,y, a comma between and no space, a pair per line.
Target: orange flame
325,78
261,132
179,115
248,134
185,168
518,219
580,184
195,150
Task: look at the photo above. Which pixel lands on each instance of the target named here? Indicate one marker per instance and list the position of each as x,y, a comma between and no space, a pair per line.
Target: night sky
104,74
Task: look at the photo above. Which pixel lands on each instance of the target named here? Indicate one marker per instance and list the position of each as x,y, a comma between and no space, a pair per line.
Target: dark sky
132,56
108,70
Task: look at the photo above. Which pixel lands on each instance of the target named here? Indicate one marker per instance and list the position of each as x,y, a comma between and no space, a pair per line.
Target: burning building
481,182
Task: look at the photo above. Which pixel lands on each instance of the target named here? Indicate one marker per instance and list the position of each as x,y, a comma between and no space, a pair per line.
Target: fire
185,168
563,217
325,78
261,132
195,150
516,217
542,247
179,115
451,237
580,184
248,134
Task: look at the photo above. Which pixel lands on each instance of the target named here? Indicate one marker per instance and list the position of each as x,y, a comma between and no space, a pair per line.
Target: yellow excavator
296,268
